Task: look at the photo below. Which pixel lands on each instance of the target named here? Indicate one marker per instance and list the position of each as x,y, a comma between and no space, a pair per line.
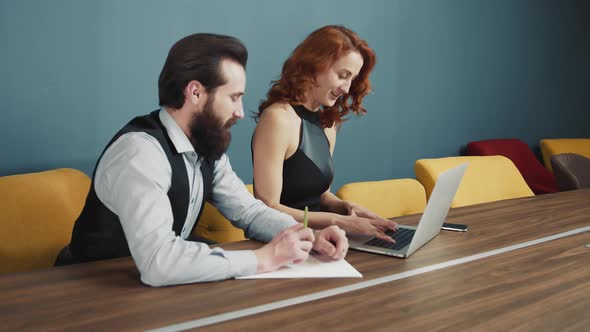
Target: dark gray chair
572,171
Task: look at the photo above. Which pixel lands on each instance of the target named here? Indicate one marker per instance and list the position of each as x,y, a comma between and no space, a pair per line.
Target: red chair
539,179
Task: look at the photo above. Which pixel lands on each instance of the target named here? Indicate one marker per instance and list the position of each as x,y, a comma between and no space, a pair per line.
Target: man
150,183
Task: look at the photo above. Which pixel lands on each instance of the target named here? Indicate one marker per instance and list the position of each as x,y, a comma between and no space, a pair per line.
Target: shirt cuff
241,262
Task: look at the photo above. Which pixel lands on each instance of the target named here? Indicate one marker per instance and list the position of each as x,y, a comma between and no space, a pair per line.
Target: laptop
409,238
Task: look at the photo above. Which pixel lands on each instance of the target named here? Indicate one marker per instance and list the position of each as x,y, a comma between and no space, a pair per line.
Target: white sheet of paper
313,267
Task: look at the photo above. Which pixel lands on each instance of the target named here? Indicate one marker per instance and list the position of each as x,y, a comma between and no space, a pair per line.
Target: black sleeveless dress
309,172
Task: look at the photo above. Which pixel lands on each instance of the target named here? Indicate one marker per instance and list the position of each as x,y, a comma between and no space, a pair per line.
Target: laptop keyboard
402,237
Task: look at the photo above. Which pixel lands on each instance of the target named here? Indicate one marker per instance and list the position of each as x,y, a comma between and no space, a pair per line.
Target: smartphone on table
454,227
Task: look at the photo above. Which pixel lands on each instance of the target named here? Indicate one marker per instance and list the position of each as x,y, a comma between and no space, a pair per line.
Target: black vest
98,233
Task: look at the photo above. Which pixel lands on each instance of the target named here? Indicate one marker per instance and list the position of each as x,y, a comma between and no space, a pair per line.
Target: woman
325,78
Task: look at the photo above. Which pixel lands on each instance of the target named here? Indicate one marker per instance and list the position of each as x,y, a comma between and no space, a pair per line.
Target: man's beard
209,135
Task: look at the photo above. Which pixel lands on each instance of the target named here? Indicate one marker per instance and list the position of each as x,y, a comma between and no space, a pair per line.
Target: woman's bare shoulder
278,114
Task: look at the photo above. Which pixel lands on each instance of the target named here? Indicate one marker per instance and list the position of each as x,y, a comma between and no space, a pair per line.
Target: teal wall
449,71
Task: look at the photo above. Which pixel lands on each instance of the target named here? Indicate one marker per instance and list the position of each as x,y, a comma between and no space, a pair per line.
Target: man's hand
292,245
331,241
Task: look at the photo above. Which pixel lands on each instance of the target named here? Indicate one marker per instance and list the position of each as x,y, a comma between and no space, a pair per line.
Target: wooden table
543,286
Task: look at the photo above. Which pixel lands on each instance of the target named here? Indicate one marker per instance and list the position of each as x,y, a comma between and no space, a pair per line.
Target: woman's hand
362,221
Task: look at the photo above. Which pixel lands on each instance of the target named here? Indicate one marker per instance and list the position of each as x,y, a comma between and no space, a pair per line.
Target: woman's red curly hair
314,55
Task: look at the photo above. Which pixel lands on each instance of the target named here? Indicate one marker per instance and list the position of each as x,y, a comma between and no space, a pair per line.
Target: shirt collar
177,136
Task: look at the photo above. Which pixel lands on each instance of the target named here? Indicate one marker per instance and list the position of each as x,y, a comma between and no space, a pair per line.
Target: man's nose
239,113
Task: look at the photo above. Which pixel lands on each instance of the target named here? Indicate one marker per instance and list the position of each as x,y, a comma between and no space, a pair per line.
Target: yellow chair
37,214
552,147
388,198
487,179
213,225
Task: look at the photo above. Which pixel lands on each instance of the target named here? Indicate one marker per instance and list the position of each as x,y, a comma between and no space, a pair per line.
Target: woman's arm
275,139
332,203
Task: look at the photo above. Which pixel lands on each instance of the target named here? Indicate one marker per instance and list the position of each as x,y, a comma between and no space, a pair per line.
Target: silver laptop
410,238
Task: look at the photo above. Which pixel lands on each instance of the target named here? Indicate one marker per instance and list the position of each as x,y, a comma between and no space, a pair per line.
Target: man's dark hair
197,57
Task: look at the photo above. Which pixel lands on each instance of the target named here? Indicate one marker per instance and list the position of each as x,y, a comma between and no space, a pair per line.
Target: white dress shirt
132,180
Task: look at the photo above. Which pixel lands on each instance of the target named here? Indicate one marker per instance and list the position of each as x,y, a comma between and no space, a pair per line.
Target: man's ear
193,92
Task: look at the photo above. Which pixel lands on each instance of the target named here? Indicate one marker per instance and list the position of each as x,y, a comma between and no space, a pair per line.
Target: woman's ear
314,82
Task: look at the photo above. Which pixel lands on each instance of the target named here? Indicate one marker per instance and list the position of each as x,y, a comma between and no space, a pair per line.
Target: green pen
305,217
